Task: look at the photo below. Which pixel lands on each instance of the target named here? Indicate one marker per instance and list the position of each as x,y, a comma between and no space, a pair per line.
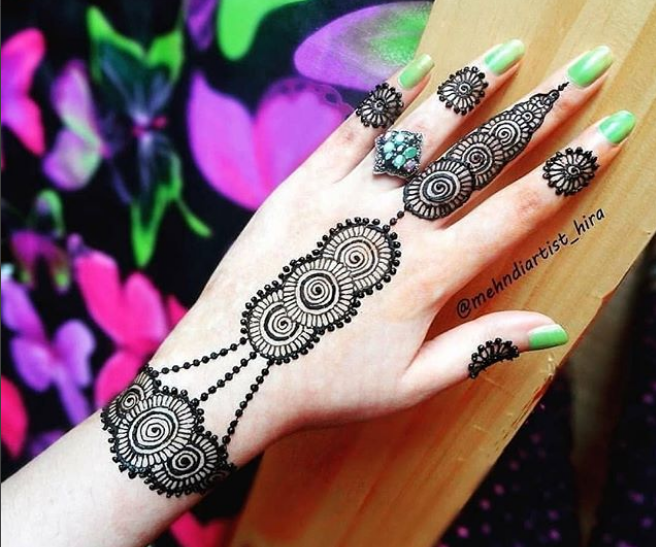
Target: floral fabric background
137,139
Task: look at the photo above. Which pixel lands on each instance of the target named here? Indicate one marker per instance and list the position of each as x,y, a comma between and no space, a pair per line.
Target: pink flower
14,418
21,55
60,361
245,157
132,313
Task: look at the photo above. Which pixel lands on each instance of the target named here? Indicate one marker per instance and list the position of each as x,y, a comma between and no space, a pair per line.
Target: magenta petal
74,344
18,313
21,55
189,532
132,315
116,374
72,161
144,313
34,362
362,48
14,419
294,118
220,135
77,151
23,116
175,310
73,101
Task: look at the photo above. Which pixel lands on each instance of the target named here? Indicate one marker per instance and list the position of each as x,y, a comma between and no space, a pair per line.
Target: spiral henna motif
442,187
446,184
570,171
365,251
483,154
510,132
154,430
318,293
194,468
272,332
381,107
142,388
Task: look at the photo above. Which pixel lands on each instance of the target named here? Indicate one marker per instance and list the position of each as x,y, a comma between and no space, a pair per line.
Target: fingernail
504,56
415,71
618,126
548,336
590,66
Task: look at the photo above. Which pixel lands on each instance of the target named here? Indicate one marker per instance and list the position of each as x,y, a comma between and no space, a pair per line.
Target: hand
335,366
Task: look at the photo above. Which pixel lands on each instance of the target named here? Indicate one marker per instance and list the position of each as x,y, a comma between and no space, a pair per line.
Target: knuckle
529,203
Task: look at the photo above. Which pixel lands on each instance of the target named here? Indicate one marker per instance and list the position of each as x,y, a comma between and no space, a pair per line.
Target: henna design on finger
463,90
381,107
480,155
493,351
398,153
570,171
157,432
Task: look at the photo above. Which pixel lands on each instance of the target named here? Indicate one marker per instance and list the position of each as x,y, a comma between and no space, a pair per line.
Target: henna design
493,351
463,90
571,171
446,184
157,432
440,189
398,153
381,107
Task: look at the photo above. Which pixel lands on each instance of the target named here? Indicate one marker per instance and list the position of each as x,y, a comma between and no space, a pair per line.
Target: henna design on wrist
157,432
570,171
381,107
463,90
493,351
474,161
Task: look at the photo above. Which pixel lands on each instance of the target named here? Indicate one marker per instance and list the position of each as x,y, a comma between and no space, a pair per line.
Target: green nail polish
547,336
618,127
415,71
586,69
504,56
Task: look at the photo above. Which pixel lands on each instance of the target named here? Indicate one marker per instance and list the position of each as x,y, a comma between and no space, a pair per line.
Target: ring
398,153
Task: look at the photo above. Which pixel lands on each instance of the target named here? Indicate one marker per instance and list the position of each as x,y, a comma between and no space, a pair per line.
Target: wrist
208,358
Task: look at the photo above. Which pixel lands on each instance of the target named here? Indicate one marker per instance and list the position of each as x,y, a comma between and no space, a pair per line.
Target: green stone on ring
388,147
410,152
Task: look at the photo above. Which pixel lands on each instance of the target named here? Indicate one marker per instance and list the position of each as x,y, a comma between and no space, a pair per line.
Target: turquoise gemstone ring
398,153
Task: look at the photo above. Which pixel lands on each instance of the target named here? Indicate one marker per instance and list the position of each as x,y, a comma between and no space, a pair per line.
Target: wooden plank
399,481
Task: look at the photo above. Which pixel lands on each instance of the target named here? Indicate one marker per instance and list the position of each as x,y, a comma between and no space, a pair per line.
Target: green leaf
147,214
237,22
165,51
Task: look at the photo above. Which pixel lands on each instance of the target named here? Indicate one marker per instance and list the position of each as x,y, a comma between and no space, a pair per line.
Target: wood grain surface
399,481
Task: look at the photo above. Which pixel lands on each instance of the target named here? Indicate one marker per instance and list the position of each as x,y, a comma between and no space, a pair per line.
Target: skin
73,493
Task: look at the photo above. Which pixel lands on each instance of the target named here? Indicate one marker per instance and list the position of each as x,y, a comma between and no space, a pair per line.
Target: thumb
467,350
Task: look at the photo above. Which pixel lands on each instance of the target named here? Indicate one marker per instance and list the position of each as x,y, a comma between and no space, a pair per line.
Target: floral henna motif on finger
493,351
463,90
570,171
474,161
157,432
381,107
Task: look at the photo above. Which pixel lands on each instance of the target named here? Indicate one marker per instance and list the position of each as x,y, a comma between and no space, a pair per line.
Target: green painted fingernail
618,127
548,336
587,68
415,71
504,56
